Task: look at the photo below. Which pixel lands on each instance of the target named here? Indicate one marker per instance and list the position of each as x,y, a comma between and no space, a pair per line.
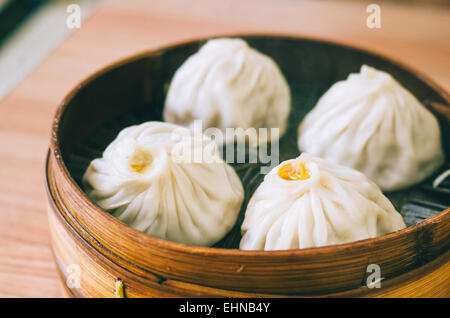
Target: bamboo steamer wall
414,261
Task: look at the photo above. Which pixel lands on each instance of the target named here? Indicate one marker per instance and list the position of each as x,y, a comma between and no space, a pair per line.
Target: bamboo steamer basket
99,256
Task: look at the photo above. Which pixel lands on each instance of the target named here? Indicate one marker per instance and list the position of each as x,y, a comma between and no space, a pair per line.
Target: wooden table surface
417,36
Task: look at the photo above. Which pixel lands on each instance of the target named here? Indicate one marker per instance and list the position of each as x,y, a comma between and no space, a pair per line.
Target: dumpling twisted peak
327,204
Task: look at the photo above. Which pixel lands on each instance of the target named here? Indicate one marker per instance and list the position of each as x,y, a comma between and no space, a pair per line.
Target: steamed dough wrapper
228,84
144,180
371,123
310,202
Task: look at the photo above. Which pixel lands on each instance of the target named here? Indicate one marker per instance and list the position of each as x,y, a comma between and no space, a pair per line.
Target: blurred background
30,29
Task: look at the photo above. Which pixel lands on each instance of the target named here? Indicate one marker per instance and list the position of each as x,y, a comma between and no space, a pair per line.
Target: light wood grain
416,36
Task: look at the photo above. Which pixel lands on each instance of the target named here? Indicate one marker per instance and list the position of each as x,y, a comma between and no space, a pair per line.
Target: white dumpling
151,178
371,123
310,202
228,84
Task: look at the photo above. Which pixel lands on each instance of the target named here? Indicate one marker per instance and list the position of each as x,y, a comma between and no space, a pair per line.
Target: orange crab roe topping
294,171
140,160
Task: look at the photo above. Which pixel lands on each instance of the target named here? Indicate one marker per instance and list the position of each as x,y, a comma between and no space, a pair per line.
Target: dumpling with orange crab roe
310,202
157,178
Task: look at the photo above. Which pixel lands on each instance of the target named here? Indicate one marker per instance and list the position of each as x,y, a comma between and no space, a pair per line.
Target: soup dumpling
371,123
228,84
310,202
144,180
